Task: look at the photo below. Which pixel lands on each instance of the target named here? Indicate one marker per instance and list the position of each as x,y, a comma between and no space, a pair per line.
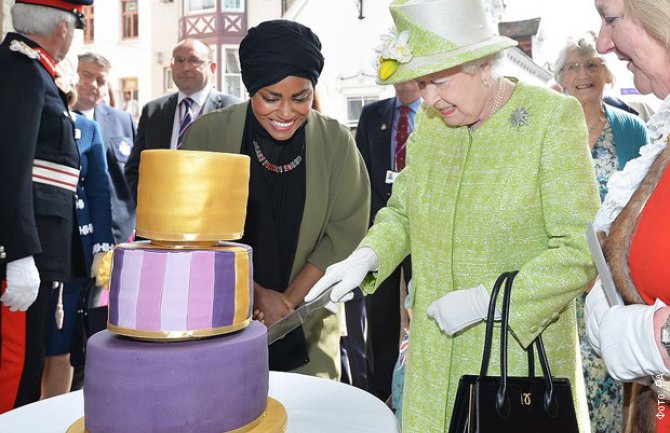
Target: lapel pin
383,127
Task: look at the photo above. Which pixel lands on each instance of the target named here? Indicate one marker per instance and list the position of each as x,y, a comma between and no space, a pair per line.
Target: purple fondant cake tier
170,293
211,385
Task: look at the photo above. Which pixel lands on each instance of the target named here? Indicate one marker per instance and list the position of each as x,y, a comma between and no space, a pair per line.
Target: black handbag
501,404
92,318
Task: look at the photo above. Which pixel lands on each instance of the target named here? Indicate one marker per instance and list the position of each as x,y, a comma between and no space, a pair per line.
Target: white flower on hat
395,47
393,50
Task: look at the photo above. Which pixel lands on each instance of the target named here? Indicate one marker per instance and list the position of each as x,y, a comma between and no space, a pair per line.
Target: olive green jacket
337,200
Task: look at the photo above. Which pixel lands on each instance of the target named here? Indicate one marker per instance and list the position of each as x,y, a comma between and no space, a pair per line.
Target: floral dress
604,394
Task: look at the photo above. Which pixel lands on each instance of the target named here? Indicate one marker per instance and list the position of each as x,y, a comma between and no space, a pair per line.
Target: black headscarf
276,49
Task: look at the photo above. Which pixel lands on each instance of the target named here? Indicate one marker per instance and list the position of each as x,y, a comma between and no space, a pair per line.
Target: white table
313,405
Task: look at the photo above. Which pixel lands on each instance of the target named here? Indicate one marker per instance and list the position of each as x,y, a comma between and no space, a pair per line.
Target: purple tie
185,119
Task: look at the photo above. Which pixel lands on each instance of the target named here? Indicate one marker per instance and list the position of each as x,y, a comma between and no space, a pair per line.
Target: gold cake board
273,420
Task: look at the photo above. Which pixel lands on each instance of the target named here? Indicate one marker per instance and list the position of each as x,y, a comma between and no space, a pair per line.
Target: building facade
138,37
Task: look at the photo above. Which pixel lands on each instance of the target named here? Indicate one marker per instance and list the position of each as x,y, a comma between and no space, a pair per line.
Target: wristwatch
665,335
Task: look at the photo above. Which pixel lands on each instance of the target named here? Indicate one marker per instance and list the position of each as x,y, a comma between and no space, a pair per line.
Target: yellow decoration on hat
393,51
387,67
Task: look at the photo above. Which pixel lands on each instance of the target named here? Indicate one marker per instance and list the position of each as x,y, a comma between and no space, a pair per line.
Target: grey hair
474,65
584,46
95,58
31,19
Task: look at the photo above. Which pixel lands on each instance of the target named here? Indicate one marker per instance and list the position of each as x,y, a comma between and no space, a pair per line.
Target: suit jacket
155,128
36,219
118,135
94,208
373,138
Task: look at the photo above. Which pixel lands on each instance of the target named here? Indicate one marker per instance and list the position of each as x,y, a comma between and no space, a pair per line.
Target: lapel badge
383,127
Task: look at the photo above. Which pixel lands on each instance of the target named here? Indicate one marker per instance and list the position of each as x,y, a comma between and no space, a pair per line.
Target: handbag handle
502,399
490,318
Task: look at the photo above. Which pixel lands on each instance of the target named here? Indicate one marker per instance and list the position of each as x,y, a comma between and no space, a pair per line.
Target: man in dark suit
39,171
164,121
118,134
382,131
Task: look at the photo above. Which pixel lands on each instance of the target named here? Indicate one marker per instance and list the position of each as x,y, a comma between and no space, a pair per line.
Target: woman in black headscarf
309,190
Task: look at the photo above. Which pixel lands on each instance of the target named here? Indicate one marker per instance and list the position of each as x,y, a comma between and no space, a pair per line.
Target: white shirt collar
199,97
89,113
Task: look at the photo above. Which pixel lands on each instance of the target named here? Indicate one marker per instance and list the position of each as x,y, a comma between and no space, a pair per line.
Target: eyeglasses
193,61
88,77
590,66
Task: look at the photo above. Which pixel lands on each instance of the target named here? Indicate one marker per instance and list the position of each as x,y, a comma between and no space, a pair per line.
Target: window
129,97
355,106
232,5
200,5
168,82
90,24
129,18
232,79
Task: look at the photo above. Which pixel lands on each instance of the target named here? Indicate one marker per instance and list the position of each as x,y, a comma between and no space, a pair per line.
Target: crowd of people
461,176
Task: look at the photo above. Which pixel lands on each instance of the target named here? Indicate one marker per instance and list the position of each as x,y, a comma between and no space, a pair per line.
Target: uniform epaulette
23,48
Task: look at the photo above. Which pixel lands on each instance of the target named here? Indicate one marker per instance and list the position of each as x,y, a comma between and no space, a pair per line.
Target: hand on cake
23,283
272,305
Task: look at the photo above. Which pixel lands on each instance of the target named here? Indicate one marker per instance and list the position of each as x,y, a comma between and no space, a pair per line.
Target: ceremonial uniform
39,171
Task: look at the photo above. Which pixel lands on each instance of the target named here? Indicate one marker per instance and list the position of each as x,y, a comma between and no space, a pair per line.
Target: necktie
401,134
185,119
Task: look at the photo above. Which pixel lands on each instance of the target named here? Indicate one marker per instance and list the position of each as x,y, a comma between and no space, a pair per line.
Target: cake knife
297,317
611,293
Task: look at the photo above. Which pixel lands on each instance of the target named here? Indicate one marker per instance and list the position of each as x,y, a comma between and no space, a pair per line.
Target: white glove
628,344
595,307
459,309
95,266
23,283
348,274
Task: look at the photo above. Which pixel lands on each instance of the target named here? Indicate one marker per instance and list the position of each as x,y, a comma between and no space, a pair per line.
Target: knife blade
297,317
611,293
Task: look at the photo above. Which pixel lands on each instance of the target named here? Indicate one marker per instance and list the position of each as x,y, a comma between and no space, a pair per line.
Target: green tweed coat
335,218
517,193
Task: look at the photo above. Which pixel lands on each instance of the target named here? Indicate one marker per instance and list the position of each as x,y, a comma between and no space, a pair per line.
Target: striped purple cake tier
161,293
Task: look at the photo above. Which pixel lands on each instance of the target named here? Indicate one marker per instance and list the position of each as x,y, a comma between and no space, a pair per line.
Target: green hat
434,35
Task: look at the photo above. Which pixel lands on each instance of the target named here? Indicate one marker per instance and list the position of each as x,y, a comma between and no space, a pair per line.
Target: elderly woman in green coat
487,188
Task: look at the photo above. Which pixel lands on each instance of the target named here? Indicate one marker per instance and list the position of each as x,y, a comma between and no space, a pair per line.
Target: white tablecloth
313,405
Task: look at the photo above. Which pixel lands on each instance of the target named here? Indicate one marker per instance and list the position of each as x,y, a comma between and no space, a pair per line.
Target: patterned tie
185,119
401,134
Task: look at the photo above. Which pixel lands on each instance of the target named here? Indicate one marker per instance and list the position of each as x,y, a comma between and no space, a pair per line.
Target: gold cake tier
186,196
